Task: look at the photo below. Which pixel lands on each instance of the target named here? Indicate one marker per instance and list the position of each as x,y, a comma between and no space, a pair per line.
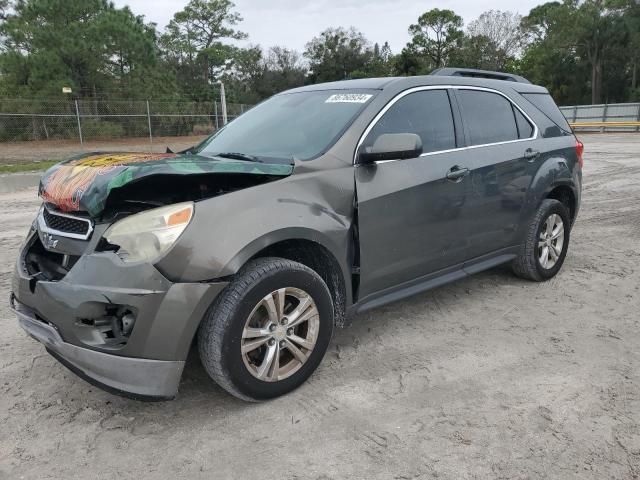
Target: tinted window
525,129
427,114
487,116
296,125
546,105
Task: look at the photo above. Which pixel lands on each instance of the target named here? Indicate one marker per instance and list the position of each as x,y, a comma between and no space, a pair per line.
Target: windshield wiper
238,156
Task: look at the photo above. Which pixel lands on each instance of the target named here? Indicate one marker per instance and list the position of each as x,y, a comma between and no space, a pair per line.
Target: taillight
579,151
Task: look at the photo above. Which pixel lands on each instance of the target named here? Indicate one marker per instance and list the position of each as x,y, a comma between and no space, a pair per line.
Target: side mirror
392,146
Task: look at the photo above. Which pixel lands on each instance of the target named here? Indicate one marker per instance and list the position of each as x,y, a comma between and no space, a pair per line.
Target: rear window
544,103
488,117
525,129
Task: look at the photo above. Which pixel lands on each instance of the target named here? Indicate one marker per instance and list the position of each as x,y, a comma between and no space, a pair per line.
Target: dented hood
83,183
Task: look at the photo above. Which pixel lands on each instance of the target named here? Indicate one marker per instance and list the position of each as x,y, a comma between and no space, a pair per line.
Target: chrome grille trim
43,227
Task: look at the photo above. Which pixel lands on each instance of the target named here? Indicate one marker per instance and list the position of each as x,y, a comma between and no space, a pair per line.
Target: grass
27,167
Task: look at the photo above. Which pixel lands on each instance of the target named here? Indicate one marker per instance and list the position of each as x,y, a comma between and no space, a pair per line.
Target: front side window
290,126
488,117
426,113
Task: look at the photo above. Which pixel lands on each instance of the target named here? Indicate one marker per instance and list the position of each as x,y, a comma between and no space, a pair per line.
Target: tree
410,62
258,74
597,30
590,30
80,43
480,52
337,54
193,42
501,34
4,7
436,35
381,62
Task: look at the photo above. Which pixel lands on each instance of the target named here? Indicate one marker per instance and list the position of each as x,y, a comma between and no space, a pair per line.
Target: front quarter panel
315,203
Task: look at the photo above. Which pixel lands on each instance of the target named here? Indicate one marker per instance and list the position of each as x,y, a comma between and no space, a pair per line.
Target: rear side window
525,129
488,117
427,114
544,103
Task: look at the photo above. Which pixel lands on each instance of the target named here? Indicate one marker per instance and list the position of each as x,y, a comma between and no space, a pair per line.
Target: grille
66,224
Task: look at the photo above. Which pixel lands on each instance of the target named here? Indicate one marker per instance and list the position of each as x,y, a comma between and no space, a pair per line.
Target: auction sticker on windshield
348,98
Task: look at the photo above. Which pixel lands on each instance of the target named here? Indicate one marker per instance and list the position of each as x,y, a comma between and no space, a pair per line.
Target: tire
241,308
528,264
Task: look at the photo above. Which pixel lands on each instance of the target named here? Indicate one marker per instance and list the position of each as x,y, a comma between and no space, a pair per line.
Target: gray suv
318,204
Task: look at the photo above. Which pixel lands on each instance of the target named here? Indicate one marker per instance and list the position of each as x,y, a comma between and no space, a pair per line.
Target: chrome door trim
404,93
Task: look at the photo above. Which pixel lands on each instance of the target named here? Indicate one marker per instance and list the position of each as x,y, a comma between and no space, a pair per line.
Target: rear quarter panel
556,166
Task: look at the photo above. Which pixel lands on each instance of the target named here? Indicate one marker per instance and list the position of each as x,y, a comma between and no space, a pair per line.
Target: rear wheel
269,329
545,248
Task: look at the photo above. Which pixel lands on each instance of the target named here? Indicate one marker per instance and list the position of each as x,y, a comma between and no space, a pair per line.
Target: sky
292,23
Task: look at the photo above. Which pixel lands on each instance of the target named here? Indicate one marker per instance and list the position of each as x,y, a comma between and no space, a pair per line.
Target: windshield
290,126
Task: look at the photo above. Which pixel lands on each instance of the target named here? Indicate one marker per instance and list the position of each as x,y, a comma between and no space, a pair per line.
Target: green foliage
193,45
336,54
581,50
99,129
88,45
28,167
436,35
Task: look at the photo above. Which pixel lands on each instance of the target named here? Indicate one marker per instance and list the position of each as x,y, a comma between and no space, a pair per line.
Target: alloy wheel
551,241
280,334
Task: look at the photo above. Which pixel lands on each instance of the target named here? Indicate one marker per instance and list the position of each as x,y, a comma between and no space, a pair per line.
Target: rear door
501,145
412,218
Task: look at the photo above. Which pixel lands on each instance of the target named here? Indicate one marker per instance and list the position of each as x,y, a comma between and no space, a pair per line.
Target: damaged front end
85,284
103,184
103,189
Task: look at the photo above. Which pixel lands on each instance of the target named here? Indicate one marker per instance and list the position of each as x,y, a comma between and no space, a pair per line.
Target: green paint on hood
83,183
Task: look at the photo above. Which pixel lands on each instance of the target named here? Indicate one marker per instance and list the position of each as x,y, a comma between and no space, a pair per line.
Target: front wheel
268,330
545,247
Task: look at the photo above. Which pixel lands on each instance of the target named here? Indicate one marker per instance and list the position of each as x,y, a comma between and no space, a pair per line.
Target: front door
412,214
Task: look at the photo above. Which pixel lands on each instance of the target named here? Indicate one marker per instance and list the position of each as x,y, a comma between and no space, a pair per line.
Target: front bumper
68,316
135,377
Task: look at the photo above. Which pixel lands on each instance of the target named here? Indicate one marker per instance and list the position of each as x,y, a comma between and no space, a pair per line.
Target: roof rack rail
475,73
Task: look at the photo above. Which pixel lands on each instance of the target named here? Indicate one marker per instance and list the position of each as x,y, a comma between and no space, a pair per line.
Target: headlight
148,235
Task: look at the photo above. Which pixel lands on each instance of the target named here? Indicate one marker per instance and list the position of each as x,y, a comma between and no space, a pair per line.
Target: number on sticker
348,98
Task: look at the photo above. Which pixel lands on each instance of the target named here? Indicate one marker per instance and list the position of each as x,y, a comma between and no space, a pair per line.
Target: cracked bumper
135,377
68,316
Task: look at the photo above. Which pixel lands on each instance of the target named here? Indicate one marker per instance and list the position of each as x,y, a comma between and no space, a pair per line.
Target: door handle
457,173
531,154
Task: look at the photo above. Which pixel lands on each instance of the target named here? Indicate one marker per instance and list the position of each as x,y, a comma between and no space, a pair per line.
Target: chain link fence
37,130
99,119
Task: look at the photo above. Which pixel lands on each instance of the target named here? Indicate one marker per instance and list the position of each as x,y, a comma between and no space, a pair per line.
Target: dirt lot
24,152
491,377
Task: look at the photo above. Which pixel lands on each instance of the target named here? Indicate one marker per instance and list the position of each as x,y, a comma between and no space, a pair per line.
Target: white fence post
79,125
150,134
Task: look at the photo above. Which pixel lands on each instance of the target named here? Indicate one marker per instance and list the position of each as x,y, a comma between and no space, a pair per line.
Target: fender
554,171
292,233
228,230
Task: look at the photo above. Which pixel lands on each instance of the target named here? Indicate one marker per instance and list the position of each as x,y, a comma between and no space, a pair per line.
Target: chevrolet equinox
319,203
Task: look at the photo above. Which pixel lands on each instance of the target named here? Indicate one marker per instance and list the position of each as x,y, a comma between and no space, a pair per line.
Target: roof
409,82
477,73
359,83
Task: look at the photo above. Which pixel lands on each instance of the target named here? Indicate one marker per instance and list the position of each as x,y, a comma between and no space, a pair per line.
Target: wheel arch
310,249
565,195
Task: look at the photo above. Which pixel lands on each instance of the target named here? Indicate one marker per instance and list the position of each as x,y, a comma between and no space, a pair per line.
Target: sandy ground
23,152
490,377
